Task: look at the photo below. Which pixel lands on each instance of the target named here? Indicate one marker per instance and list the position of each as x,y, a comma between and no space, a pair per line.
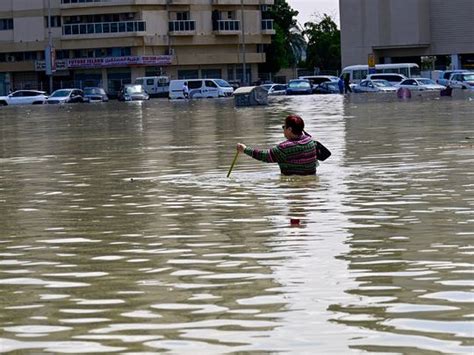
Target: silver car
24,97
375,86
420,84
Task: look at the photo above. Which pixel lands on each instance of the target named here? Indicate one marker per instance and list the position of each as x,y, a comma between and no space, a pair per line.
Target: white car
463,80
24,97
275,89
420,84
63,96
374,86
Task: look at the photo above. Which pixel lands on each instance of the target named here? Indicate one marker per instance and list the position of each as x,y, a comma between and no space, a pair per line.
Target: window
188,74
211,73
6,24
150,82
210,84
195,84
55,21
183,16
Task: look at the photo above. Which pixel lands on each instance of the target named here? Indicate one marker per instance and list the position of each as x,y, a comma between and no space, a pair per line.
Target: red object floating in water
294,221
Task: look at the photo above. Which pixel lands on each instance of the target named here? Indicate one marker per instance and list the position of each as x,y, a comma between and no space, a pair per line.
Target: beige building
111,42
406,30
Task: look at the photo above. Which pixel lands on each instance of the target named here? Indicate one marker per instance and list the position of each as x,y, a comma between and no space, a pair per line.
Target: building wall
200,49
398,28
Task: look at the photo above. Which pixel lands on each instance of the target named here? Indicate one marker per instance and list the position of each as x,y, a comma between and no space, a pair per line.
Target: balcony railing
228,26
267,27
182,27
103,27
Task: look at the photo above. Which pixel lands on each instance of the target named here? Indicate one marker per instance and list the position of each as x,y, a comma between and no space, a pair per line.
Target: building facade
111,42
408,31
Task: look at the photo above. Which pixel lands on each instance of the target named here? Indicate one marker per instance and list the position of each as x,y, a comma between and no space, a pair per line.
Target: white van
155,86
200,88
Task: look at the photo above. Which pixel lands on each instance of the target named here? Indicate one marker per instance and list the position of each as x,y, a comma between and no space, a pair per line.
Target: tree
324,44
288,43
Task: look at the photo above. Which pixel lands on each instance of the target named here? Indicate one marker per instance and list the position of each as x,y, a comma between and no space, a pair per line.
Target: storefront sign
106,62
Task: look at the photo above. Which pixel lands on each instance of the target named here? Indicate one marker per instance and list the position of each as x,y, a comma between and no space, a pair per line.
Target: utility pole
49,52
244,66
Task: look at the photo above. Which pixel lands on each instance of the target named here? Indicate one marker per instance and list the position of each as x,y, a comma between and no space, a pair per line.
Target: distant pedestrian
186,90
347,86
340,84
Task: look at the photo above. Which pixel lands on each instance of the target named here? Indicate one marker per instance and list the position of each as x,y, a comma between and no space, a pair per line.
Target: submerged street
120,232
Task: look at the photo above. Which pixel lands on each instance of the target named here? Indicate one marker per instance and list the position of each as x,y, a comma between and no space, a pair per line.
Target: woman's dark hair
296,123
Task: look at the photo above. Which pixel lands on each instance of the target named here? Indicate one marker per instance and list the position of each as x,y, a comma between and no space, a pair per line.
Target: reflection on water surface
120,231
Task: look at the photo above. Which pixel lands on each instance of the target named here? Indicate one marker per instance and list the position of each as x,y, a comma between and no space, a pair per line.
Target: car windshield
468,77
222,83
60,93
426,81
94,91
267,86
134,89
299,84
382,83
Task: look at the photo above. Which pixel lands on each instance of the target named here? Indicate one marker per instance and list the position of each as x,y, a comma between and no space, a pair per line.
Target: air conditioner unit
170,51
10,58
130,15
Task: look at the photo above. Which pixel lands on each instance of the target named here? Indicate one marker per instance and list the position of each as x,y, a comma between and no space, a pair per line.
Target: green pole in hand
233,163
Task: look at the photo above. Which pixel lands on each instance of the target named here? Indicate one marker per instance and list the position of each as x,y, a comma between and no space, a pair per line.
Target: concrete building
398,31
111,42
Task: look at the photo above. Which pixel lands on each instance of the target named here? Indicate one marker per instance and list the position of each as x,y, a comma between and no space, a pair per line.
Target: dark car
95,94
299,87
63,96
328,87
132,92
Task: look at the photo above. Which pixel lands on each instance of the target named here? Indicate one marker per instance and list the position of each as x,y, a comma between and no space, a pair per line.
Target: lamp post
244,64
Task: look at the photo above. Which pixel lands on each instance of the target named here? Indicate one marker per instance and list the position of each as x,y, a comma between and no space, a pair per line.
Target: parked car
63,96
328,87
420,84
315,80
95,94
377,85
392,78
299,87
444,76
464,80
132,92
275,89
23,97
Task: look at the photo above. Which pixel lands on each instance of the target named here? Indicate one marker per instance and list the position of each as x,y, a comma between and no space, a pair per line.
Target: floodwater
119,231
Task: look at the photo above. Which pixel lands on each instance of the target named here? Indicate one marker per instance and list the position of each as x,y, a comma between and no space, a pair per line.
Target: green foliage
324,44
288,43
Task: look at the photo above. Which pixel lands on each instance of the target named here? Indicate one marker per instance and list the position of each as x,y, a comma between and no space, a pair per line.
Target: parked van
200,88
155,86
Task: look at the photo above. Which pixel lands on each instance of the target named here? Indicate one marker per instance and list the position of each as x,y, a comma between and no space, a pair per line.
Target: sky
308,9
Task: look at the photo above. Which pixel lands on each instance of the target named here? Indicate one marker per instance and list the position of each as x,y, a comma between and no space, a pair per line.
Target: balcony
227,27
104,29
236,2
182,28
69,4
267,27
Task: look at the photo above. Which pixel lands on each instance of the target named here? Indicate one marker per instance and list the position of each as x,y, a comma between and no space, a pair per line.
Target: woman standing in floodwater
295,156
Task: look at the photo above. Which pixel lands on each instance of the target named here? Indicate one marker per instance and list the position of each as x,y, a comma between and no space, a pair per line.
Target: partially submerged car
328,87
132,92
275,89
299,87
24,97
95,94
420,84
64,96
369,85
